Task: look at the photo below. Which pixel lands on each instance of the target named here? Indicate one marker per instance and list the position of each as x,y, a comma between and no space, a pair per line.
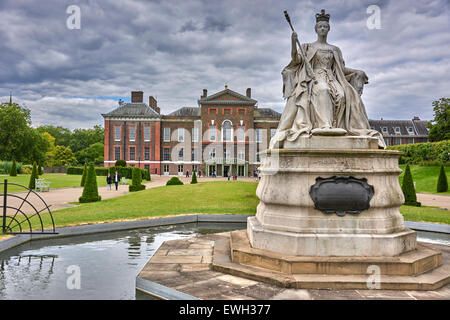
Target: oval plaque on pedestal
341,195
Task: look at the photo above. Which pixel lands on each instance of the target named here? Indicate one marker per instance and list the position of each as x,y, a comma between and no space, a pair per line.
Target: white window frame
258,134
166,134
117,132
145,133
132,136
241,134
195,132
384,130
230,133
397,130
241,154
212,131
180,173
166,169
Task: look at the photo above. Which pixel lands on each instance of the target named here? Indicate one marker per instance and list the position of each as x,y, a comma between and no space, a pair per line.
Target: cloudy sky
174,49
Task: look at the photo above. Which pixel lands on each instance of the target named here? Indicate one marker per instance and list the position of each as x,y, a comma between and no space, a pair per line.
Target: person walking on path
116,179
187,173
109,181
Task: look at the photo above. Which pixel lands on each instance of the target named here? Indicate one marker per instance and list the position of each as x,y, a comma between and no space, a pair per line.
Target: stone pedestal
287,221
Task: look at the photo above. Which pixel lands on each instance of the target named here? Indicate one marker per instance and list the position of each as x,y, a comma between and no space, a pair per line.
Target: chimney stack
153,104
205,93
416,118
249,93
137,96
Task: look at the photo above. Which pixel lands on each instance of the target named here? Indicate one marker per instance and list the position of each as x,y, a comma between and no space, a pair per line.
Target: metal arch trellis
21,220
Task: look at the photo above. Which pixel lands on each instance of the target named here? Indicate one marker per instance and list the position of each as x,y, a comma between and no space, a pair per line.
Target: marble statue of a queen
323,95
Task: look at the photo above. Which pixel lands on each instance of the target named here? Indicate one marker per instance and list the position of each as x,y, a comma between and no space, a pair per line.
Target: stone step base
414,262
431,280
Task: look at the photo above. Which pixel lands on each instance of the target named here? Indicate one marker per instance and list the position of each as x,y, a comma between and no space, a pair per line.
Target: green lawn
221,197
426,178
57,180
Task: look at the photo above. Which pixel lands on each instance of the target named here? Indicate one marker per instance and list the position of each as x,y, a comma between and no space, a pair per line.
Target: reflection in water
108,262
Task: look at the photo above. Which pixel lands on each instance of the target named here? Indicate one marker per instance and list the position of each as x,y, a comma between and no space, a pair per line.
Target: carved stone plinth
289,221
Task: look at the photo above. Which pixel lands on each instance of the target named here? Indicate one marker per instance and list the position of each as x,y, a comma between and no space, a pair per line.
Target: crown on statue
322,16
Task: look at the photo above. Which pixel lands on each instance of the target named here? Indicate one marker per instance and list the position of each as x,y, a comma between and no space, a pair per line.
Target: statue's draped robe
297,117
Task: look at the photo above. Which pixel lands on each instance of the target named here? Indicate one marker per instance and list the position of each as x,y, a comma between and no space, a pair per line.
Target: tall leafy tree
93,153
83,138
62,135
440,125
64,156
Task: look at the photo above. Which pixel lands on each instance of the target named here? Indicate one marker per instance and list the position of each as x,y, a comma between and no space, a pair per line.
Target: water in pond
108,262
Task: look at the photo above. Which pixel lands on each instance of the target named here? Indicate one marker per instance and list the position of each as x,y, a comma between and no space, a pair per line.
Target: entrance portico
222,167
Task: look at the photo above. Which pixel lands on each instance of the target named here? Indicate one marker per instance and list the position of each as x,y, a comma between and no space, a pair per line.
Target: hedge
424,154
102,171
174,181
136,181
90,190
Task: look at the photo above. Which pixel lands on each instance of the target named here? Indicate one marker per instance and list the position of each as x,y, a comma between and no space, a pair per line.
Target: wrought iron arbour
20,222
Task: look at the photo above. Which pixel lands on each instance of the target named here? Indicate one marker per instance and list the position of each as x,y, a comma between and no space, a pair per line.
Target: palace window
397,130
146,133
212,153
410,130
166,134
227,131
180,170
241,154
132,153
384,130
147,153
194,134
241,134
132,133
212,133
193,157
116,153
117,133
180,154
166,154
259,134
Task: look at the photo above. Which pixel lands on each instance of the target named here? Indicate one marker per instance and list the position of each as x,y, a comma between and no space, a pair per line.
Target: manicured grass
426,178
221,197
426,214
57,180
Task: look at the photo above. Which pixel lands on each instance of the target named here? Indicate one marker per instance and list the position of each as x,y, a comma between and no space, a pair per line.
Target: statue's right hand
294,36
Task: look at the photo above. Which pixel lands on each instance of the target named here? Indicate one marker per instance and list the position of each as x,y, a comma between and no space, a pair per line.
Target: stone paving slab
200,281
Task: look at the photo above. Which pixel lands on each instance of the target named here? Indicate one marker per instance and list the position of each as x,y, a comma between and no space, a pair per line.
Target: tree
64,156
62,135
442,185
90,190
13,171
83,177
136,180
93,153
120,163
34,175
83,138
408,189
50,154
440,125
194,178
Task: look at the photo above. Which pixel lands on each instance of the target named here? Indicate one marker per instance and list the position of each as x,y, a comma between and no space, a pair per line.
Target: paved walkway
435,200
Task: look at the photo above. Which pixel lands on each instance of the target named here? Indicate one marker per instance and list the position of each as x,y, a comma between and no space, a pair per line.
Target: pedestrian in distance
109,181
116,179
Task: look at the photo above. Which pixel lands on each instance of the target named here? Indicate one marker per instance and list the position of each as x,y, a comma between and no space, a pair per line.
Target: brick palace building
221,136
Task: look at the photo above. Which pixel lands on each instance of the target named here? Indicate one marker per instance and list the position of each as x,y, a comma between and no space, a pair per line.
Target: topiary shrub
90,190
136,181
194,178
83,177
41,170
34,175
408,189
121,163
174,181
13,171
442,184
